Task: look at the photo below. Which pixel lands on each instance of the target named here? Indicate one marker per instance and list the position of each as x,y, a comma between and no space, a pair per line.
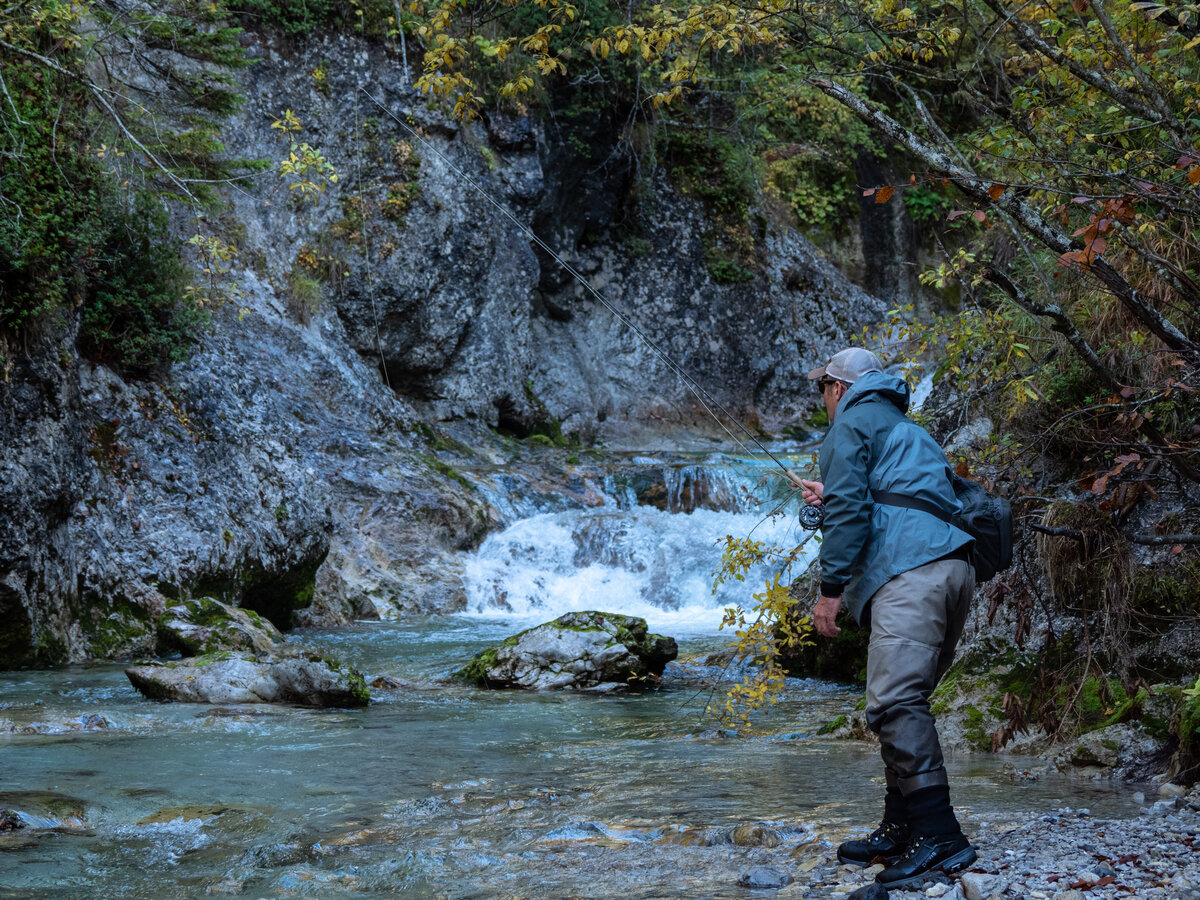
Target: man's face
832,391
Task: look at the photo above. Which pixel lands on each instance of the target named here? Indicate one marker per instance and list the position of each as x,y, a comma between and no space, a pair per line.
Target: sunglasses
823,383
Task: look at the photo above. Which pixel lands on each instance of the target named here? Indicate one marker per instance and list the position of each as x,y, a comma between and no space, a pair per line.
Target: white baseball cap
848,365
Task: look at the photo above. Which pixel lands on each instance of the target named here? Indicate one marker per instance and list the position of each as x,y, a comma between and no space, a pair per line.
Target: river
439,790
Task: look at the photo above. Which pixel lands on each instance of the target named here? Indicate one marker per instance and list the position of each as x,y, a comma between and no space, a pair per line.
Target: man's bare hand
824,614
813,492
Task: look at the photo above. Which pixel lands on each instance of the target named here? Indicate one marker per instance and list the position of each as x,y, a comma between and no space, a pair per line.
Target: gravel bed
1066,854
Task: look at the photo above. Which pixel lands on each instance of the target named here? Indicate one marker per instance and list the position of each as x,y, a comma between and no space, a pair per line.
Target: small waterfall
625,555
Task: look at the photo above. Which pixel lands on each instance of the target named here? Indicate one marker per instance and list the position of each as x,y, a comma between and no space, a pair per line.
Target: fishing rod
706,400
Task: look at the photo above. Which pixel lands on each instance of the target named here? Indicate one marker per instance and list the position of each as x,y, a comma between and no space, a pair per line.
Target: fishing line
706,400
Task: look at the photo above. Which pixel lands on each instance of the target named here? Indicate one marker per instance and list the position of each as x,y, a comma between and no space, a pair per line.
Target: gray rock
201,625
44,811
870,892
978,886
297,676
576,650
765,877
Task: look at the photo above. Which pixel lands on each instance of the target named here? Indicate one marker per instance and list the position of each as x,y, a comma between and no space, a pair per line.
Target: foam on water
641,561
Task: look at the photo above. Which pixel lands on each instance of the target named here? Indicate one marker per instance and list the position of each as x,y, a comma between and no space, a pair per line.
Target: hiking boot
941,852
888,842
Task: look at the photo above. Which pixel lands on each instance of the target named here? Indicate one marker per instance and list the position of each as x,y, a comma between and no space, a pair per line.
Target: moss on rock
612,648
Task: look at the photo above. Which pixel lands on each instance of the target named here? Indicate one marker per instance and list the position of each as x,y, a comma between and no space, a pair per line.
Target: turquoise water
436,790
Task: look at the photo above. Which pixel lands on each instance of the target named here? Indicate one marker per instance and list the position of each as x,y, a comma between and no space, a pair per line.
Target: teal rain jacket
872,445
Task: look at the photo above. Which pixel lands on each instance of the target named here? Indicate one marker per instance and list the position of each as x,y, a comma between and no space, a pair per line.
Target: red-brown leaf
996,191
1194,174
884,194
979,215
1177,549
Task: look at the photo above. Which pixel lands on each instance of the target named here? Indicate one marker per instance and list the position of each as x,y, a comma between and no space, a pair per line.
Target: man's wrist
830,589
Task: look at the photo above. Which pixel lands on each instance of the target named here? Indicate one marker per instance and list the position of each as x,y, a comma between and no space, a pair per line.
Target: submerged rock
765,877
202,625
42,811
576,650
299,676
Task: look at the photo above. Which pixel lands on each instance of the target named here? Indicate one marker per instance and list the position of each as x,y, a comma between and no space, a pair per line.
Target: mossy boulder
576,650
842,658
286,675
201,625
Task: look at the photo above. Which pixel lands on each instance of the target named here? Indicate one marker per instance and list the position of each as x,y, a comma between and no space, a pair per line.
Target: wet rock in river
576,650
200,625
765,877
42,811
296,676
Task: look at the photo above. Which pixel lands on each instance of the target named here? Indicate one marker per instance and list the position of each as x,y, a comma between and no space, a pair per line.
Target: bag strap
888,498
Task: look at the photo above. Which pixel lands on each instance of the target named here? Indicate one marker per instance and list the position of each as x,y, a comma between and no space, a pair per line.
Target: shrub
137,315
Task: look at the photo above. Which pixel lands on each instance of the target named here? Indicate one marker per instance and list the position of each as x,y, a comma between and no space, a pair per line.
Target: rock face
577,650
468,318
301,677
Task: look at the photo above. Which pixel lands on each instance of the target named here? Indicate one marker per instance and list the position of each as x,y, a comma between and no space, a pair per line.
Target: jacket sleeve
848,503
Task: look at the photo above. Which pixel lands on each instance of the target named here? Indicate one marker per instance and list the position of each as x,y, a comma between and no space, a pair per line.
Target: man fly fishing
906,574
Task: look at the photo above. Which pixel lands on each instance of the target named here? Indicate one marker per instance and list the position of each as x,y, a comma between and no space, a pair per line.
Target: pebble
765,877
870,892
978,886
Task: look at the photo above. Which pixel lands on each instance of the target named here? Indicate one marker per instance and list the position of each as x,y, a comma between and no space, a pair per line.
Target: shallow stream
438,790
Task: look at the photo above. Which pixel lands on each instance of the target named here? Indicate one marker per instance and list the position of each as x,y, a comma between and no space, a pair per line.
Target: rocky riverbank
1064,854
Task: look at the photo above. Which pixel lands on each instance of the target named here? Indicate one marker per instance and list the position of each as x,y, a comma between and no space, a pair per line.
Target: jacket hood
877,385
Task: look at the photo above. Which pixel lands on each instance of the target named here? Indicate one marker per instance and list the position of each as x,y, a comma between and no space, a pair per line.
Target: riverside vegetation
1044,159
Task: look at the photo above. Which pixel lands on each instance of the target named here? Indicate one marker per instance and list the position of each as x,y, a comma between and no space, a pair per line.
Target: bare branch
99,95
1029,219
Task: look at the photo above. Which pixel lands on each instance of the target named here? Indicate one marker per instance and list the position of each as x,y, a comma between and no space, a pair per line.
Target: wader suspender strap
887,498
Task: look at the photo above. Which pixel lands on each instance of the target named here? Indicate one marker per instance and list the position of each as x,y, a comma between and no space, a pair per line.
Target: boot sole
955,863
890,860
